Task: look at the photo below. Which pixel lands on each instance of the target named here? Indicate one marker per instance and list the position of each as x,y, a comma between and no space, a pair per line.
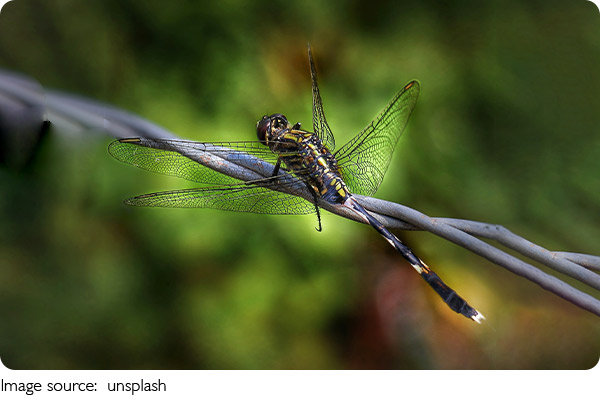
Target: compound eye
262,128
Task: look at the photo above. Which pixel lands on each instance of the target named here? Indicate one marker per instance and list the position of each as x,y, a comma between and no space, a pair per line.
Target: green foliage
505,131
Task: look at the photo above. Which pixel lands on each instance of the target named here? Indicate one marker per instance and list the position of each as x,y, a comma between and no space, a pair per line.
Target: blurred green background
506,131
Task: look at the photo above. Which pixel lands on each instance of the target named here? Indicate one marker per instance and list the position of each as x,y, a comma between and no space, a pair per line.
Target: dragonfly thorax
303,154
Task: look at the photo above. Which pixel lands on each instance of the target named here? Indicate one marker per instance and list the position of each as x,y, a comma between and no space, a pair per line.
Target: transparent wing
172,157
320,126
243,198
364,160
175,157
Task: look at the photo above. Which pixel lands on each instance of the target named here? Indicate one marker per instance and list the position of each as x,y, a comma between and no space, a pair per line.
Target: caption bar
30,388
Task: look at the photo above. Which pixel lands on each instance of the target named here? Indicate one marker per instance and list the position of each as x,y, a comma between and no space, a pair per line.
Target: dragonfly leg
277,167
310,189
315,199
450,297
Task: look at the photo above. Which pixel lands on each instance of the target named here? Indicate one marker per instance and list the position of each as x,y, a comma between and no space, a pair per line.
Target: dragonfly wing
179,158
243,198
320,125
364,160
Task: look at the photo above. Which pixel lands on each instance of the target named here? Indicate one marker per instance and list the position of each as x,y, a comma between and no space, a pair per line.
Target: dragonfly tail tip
478,317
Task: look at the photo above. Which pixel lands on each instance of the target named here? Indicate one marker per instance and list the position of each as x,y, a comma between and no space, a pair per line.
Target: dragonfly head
269,125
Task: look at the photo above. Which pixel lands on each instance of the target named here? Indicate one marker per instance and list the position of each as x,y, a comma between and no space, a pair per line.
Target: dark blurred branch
73,114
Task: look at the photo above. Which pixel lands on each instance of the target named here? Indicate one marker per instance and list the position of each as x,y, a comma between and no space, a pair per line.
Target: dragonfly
288,171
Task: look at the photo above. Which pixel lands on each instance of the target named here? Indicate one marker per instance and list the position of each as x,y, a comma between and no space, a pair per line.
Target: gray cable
70,113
